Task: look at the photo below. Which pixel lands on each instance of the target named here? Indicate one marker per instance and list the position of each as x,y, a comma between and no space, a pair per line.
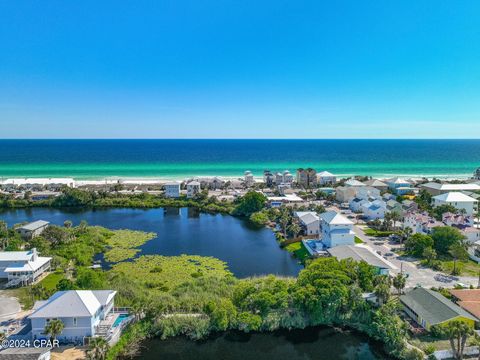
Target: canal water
248,250
316,343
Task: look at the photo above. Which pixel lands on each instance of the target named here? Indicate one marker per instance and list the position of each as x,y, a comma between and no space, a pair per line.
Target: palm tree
457,332
97,349
382,289
406,233
294,229
395,217
54,328
399,282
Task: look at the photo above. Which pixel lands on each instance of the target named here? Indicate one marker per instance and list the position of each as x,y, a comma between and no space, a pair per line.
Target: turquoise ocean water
98,159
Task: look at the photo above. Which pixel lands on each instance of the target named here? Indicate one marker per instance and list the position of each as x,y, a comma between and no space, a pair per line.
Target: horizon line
221,138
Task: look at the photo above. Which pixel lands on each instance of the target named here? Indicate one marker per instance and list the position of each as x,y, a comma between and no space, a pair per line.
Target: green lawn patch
358,240
299,250
377,233
51,281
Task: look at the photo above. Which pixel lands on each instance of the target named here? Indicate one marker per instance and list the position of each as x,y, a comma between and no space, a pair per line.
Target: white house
354,183
32,229
336,229
420,223
368,192
399,186
193,188
356,204
326,178
84,313
374,210
23,266
172,189
458,200
248,178
309,221
287,177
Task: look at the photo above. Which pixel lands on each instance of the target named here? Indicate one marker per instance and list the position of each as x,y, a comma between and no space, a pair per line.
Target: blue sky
239,69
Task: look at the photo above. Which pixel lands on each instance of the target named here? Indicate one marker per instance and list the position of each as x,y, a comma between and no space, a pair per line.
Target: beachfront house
309,221
368,193
458,200
248,178
287,177
362,253
268,178
326,178
336,229
193,188
84,313
306,177
354,183
428,308
22,267
33,229
399,186
172,189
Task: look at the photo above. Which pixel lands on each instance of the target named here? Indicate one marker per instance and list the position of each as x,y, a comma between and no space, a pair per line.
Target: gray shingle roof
358,253
433,306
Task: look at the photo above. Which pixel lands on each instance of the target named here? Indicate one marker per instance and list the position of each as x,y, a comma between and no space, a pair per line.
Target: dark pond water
246,249
307,344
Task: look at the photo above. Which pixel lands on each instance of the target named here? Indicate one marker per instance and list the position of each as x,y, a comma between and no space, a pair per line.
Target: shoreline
159,180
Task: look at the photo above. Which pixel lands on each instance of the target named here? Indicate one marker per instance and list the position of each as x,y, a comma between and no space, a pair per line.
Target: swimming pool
119,319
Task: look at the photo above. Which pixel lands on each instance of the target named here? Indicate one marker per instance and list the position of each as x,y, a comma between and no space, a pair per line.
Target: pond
246,249
317,343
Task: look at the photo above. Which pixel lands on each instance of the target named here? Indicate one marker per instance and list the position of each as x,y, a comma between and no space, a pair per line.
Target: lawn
377,233
358,240
51,281
299,250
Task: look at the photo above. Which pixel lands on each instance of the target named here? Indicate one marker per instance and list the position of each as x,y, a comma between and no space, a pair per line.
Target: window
74,321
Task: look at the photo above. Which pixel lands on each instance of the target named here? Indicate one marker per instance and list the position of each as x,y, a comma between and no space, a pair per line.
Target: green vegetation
74,198
194,296
378,233
444,250
260,218
299,250
250,203
121,246
358,240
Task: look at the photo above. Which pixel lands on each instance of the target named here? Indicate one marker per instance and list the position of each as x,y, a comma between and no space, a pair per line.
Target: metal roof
34,225
358,253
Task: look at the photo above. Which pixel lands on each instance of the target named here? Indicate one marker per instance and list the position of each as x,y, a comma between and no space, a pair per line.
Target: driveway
9,307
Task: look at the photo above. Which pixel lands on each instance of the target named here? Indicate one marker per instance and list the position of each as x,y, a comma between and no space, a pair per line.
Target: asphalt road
417,275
